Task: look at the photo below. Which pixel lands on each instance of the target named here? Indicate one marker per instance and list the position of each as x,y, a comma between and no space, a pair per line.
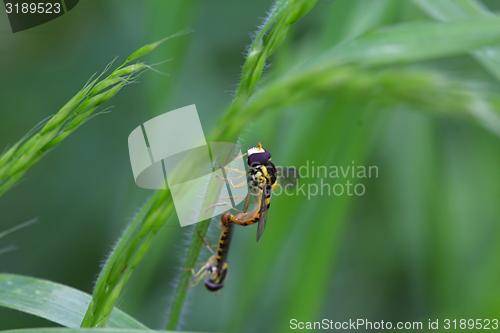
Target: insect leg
206,242
236,170
235,185
198,276
245,218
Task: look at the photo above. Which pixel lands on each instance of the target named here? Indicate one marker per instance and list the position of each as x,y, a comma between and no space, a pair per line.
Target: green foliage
124,258
16,228
365,84
147,49
19,158
158,208
9,231
267,39
449,10
330,72
55,302
401,43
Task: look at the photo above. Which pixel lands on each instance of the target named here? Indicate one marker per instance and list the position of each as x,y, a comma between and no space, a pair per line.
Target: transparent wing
287,176
263,212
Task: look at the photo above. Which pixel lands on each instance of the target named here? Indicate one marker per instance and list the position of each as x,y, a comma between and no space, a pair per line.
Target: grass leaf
147,49
53,301
397,44
268,38
24,154
417,41
17,227
346,20
450,10
128,252
131,249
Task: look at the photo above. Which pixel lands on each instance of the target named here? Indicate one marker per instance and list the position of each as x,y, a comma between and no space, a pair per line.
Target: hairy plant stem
128,252
17,160
422,89
310,82
136,239
268,38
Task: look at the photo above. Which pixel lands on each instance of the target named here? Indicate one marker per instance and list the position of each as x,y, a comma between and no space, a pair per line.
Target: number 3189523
33,8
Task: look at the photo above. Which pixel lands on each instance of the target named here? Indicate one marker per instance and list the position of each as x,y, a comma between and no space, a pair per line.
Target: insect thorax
258,176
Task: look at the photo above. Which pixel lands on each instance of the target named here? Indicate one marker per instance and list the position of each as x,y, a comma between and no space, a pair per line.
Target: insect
217,265
262,177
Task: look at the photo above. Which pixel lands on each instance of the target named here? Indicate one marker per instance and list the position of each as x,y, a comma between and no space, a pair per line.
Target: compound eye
258,158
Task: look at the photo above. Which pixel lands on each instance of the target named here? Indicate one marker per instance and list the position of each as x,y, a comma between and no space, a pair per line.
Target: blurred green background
423,242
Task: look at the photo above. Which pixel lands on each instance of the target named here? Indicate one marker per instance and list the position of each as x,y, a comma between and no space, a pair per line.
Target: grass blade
126,255
451,10
17,227
315,83
398,44
119,267
185,277
7,249
16,161
421,90
55,302
11,230
346,20
268,38
417,41
316,227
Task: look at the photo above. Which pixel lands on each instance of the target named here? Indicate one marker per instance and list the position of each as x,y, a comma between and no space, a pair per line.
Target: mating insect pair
262,177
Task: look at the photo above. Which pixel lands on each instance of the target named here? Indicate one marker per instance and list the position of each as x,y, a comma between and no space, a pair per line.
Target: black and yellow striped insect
262,177
216,266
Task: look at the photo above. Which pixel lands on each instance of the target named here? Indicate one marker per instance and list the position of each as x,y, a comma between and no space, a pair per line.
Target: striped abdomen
218,272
